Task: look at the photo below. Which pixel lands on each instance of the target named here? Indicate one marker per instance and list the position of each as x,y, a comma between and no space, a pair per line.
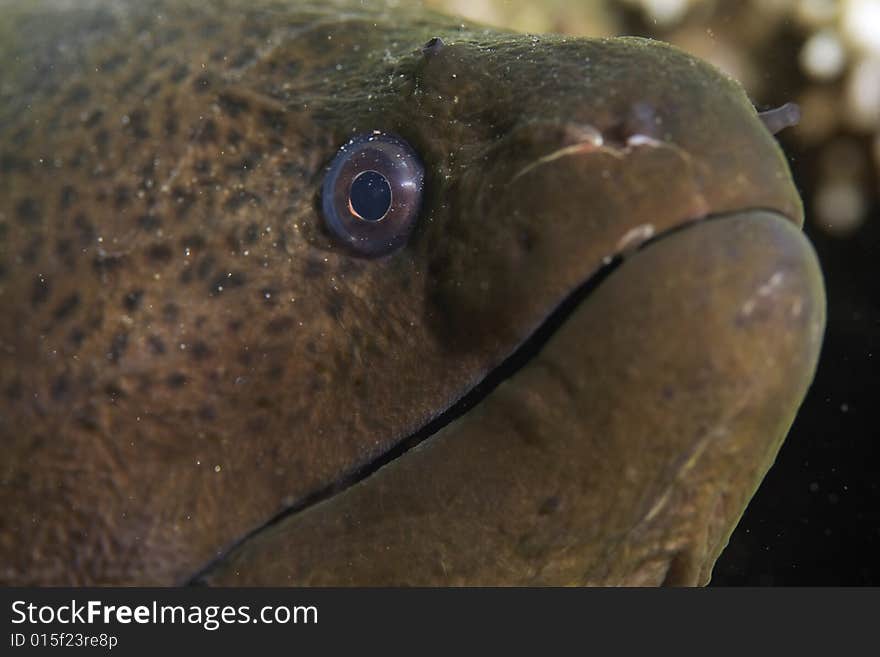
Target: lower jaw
623,452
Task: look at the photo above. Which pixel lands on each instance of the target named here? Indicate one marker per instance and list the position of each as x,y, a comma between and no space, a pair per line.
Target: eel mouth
674,485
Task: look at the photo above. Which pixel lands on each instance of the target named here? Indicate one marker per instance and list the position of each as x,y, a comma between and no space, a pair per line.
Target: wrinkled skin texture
187,353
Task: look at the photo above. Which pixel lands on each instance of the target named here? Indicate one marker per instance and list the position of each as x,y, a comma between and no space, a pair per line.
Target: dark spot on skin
244,56
232,105
9,163
40,290
200,351
292,170
238,199
132,300
527,238
155,344
149,222
205,267
314,268
183,200
274,120
160,253
279,325
137,124
176,380
334,306
276,371
66,307
179,72
234,137
170,124
243,166
87,418
77,159
202,167
66,197
112,63
13,390
59,388
105,263
93,119
207,131
33,250
102,137
233,243
118,345
64,251
207,413
149,167
113,392
258,424
350,268
234,326
76,336
21,136
96,318
192,242
227,281
202,83
251,233
28,211
170,312
121,196
85,229
78,94
549,506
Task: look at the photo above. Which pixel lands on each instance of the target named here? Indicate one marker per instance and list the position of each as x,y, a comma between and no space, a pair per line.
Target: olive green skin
187,353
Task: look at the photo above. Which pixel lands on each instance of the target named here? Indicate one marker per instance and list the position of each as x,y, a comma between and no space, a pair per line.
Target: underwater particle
823,56
840,206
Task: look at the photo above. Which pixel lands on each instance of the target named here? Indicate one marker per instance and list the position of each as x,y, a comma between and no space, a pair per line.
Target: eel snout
624,452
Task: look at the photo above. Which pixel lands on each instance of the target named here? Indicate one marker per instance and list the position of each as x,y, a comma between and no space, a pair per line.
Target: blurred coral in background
823,54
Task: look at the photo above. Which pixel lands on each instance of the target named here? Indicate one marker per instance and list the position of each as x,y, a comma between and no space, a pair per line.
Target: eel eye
372,192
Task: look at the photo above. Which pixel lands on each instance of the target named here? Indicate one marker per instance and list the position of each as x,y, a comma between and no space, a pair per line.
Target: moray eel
569,359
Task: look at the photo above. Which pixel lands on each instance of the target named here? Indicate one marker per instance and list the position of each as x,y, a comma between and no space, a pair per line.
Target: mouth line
517,360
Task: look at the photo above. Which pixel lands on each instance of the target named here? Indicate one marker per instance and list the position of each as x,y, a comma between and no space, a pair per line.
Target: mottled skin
185,352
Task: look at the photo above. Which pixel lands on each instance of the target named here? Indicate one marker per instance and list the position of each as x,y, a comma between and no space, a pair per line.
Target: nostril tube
777,120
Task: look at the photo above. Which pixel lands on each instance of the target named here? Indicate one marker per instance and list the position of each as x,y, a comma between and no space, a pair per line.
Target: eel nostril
781,118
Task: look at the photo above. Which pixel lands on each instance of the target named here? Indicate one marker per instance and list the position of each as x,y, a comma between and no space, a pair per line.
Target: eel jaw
624,452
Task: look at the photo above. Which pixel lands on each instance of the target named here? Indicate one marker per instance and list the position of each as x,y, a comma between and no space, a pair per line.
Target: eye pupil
370,196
